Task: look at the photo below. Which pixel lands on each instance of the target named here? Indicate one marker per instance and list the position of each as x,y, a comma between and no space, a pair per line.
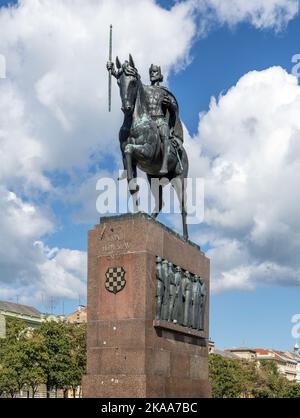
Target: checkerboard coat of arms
115,279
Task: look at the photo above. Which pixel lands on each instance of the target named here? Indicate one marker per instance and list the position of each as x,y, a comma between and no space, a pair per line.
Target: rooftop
19,309
226,354
240,349
262,352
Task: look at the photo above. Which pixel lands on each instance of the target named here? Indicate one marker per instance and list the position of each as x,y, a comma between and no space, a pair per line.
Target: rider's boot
164,167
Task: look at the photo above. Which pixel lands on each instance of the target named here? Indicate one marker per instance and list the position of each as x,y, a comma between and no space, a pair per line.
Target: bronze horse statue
141,145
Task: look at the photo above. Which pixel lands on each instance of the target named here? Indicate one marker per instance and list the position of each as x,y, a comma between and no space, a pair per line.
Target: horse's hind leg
157,191
158,203
179,185
134,192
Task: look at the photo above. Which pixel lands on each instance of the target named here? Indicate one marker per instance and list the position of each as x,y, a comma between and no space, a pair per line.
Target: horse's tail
185,163
181,167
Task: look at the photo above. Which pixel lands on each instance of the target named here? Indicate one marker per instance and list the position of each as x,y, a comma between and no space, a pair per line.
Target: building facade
79,316
247,354
286,363
31,316
295,355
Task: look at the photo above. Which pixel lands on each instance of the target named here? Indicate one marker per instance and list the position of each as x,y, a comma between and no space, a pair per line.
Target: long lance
109,74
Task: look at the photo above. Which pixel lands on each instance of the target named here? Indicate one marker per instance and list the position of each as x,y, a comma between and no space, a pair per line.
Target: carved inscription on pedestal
112,241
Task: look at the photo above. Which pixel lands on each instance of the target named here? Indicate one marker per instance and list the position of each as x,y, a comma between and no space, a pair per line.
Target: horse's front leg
132,151
131,176
129,149
180,187
123,174
156,187
123,138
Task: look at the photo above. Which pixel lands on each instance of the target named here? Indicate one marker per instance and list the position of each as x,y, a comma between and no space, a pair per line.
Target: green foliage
229,378
77,336
35,356
66,348
232,378
53,354
292,390
270,383
12,356
8,382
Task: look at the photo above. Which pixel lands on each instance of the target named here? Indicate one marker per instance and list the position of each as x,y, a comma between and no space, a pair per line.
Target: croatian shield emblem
115,279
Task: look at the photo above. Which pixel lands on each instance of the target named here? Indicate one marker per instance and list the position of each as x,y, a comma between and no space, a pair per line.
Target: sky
230,66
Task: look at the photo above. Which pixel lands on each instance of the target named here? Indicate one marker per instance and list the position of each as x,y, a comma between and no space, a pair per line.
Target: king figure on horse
151,137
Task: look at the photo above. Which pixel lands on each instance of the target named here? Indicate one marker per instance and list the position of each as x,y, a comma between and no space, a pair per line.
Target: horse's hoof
154,215
134,189
123,176
163,171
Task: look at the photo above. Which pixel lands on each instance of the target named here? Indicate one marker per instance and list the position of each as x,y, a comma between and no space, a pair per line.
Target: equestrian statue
151,136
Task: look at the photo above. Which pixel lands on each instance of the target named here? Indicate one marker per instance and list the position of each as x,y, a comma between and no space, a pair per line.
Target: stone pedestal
130,354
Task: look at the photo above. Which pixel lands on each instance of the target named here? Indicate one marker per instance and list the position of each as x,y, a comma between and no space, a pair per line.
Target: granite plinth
128,353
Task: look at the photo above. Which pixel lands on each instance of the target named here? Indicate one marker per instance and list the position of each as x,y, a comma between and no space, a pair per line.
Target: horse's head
128,81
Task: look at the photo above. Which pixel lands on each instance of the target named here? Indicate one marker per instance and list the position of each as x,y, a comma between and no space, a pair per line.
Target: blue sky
5,2
221,58
257,313
260,318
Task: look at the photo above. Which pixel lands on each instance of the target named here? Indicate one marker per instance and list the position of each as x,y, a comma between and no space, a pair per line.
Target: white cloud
21,152
54,101
56,56
262,14
62,272
54,119
30,269
20,223
250,158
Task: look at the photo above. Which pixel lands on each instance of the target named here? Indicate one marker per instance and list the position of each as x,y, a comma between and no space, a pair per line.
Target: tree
8,382
292,390
12,356
77,335
66,347
232,378
229,378
56,344
269,382
53,354
35,356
